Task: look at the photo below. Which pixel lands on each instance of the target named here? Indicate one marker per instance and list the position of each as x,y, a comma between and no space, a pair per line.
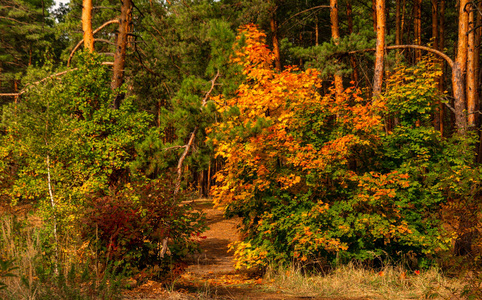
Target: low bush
135,227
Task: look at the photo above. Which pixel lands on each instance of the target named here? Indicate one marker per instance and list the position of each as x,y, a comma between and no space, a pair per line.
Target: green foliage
327,56
67,130
27,39
198,42
411,92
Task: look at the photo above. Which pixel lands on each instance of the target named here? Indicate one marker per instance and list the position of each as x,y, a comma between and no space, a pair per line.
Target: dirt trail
214,260
211,274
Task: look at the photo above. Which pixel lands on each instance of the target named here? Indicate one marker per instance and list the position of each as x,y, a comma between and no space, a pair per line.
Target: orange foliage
276,100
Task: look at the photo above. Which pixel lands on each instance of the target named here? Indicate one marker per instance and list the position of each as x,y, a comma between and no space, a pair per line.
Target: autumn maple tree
316,176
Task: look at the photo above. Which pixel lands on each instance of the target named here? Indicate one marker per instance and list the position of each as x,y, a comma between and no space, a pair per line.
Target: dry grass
35,278
24,249
351,281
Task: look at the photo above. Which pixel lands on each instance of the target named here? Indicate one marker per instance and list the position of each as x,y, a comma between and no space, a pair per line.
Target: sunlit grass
352,281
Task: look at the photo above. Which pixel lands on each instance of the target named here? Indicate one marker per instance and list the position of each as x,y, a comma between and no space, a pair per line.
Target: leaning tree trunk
380,48
120,52
87,25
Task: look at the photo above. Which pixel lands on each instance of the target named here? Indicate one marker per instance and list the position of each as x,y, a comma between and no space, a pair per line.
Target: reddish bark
120,53
471,87
380,48
460,65
87,25
417,26
335,34
349,15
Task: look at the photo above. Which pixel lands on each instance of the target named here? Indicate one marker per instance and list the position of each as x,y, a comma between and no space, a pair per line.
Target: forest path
211,273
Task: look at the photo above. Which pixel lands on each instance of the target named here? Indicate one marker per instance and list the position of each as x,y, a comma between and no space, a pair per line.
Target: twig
174,147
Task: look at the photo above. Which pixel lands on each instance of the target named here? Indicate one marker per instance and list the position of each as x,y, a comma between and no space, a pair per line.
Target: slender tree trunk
87,25
120,53
276,51
209,178
478,39
15,89
398,28
466,231
441,46
54,212
398,31
387,17
380,48
472,70
417,26
435,37
460,65
402,21
349,15
374,15
317,33
335,34
435,29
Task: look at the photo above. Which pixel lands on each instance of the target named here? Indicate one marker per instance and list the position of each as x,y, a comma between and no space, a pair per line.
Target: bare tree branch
24,90
174,147
94,32
428,49
303,11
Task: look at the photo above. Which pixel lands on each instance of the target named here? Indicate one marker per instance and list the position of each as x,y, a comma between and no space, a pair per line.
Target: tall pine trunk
435,37
120,53
87,25
349,15
417,27
441,46
460,65
335,34
380,48
472,69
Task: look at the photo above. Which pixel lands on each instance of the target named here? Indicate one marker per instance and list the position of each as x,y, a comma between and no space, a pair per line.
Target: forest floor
211,274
